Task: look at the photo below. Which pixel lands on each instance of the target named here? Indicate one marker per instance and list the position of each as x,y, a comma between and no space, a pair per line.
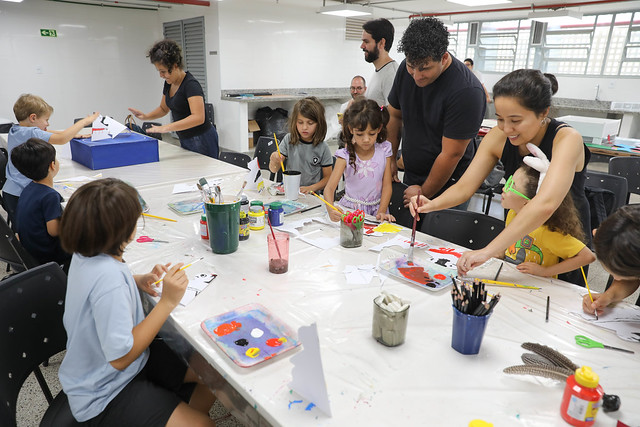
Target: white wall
97,62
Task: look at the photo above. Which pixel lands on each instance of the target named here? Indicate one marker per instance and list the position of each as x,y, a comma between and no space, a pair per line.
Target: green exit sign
48,33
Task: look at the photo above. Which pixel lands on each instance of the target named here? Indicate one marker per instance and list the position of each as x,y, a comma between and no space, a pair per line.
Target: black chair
4,158
237,159
11,250
472,230
396,205
208,114
31,331
265,146
596,186
628,167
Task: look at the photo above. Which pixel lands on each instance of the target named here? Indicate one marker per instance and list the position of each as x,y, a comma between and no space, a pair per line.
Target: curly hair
531,88
617,241
363,112
166,52
310,108
565,219
424,40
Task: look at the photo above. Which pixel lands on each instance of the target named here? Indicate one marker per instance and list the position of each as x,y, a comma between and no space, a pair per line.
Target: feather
554,356
536,359
553,372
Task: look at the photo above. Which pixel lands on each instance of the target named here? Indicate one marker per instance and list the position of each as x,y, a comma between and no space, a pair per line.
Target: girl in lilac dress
365,162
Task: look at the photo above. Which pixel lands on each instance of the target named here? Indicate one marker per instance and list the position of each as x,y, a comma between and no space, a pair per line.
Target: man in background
377,39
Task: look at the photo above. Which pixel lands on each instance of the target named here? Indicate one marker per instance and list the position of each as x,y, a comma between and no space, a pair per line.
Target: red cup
278,251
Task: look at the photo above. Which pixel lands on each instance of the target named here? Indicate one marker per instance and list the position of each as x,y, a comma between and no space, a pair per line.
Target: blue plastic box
123,150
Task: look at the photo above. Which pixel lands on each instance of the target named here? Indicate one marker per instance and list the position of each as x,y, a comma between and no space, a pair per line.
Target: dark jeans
206,143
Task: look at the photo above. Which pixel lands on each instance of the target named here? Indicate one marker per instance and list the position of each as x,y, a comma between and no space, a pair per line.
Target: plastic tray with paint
250,334
424,274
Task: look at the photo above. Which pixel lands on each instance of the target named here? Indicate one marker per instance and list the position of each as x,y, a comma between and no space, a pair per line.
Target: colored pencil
182,268
328,204
546,318
498,273
512,285
588,290
278,148
158,217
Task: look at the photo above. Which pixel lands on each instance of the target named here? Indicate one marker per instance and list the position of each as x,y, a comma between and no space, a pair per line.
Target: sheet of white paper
292,226
624,320
307,373
105,127
322,242
397,240
114,127
184,188
360,274
76,179
196,285
253,177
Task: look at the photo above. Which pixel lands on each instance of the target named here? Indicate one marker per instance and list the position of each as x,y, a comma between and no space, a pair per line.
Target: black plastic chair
628,167
471,230
237,159
265,146
4,158
614,183
396,205
31,331
11,250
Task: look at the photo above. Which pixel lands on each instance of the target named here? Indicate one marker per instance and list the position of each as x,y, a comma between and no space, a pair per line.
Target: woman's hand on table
157,129
471,259
145,281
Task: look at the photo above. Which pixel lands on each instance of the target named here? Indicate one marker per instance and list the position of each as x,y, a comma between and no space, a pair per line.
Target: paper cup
291,180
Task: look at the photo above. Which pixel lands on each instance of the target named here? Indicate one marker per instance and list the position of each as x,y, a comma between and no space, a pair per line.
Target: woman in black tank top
522,99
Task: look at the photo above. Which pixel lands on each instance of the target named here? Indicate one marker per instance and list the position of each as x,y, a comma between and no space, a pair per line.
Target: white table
422,382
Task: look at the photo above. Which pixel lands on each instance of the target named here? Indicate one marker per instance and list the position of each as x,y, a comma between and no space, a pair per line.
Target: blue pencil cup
467,332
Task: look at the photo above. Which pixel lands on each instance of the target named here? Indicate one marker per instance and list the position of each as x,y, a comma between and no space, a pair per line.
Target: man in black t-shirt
440,104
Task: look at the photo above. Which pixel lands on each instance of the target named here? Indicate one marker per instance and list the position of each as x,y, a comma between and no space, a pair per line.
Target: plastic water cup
278,255
351,234
291,181
467,332
389,327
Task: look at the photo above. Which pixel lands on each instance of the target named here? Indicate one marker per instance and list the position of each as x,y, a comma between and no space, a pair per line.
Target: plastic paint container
204,230
256,218
276,214
244,204
582,398
244,226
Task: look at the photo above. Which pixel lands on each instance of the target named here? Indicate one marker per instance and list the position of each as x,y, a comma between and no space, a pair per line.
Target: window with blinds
189,34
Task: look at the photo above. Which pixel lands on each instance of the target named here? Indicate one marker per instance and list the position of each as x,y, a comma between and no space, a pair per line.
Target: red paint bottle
204,229
582,398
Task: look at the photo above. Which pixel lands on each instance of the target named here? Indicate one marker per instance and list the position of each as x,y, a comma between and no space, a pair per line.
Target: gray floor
32,404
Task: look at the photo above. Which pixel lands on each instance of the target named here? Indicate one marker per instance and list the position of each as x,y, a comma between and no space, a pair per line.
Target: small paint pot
276,214
467,332
389,327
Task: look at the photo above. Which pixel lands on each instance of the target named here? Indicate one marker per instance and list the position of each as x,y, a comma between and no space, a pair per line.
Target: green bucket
223,221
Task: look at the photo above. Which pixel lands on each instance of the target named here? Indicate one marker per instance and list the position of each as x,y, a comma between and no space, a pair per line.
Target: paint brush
328,204
511,285
595,312
244,184
278,148
182,268
413,235
546,317
275,241
498,273
158,217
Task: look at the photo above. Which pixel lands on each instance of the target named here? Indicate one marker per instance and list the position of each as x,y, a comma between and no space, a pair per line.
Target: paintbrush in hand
413,235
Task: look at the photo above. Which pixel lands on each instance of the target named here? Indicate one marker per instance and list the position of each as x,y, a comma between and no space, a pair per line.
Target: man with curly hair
440,104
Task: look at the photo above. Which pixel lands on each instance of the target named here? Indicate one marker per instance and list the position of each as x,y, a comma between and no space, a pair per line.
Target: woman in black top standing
522,99
183,96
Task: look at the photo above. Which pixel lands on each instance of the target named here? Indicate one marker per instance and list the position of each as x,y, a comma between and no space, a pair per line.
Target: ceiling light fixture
473,3
555,15
14,1
346,10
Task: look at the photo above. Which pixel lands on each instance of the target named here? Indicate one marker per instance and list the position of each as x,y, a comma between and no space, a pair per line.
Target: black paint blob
242,342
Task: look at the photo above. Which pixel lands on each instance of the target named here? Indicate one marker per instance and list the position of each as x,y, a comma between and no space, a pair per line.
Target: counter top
595,106
256,95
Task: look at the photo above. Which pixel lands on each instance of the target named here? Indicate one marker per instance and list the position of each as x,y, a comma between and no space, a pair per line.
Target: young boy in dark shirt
39,209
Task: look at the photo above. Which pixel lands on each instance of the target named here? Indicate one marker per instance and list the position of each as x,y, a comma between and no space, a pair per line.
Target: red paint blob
274,342
418,275
440,276
227,328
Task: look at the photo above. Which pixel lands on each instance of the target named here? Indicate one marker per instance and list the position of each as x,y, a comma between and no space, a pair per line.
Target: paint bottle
256,218
244,226
204,229
276,214
244,204
582,397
